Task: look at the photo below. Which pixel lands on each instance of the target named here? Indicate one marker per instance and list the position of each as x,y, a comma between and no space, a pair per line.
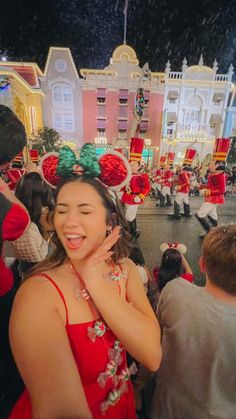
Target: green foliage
232,152
46,140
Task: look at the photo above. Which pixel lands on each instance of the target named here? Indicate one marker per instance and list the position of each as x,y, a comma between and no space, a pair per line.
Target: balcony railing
195,132
178,75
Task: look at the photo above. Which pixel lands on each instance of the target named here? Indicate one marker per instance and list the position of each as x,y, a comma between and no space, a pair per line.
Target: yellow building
20,91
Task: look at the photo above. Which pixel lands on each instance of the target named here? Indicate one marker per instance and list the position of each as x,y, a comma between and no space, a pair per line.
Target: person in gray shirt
197,376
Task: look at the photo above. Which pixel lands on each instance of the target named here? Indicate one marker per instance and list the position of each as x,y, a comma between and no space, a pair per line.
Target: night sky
157,29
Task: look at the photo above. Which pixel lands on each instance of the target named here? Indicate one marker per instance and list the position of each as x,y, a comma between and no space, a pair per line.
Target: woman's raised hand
94,263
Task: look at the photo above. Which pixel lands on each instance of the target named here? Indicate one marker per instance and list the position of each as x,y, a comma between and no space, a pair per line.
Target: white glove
202,192
137,199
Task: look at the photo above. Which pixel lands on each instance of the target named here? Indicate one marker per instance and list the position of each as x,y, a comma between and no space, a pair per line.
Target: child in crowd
173,265
197,377
137,257
78,312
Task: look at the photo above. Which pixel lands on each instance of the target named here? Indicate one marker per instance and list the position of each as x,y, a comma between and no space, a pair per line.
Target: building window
63,122
58,122
33,120
68,122
67,94
62,94
101,132
170,128
101,100
123,96
123,101
122,133
192,117
101,95
57,95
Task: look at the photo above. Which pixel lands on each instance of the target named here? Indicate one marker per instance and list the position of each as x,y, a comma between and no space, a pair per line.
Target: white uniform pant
208,208
166,191
181,196
130,212
157,186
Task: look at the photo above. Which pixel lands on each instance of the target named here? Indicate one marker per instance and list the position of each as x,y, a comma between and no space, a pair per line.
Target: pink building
108,104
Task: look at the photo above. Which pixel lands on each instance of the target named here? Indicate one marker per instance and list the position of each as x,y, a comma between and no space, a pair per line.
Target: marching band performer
138,188
158,180
168,179
183,186
215,188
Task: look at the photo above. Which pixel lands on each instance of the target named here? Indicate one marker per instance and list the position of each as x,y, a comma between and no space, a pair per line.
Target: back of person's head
30,190
170,268
136,256
219,256
12,135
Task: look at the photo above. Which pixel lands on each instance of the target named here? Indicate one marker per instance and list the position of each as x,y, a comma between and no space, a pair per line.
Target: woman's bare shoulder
38,286
126,264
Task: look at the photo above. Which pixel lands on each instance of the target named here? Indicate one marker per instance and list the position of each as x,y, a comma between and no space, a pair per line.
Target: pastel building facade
230,120
183,109
108,103
194,110
20,90
62,88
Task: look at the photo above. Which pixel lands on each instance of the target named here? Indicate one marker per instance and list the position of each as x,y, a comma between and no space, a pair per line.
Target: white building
62,86
194,110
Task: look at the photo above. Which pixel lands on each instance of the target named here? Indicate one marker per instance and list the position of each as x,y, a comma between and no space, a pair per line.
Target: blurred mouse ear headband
111,168
178,246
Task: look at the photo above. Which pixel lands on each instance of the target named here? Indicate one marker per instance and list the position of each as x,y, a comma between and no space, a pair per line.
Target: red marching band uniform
167,182
215,188
159,173
183,186
17,169
138,188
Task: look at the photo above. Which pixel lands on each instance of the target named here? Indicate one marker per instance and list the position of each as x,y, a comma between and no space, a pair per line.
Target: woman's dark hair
115,216
171,267
136,256
12,135
35,194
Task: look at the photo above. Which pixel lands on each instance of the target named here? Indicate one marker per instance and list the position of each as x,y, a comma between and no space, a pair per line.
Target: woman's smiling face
80,219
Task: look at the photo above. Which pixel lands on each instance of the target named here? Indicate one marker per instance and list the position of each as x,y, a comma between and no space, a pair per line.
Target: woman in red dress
80,310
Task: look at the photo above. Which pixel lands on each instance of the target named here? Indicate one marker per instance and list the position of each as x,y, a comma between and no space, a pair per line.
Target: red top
91,358
13,227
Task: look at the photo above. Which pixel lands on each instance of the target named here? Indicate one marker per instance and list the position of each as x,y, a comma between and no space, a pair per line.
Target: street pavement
156,228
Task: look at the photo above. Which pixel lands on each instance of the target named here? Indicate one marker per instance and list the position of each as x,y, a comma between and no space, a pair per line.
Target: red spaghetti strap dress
101,362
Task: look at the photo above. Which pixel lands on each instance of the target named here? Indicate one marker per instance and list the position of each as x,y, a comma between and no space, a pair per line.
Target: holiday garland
139,104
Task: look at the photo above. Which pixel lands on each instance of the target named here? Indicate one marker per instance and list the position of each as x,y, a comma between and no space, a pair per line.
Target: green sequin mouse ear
57,166
112,168
88,161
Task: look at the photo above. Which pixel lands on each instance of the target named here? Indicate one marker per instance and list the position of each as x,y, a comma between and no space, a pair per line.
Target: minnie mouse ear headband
111,168
178,246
